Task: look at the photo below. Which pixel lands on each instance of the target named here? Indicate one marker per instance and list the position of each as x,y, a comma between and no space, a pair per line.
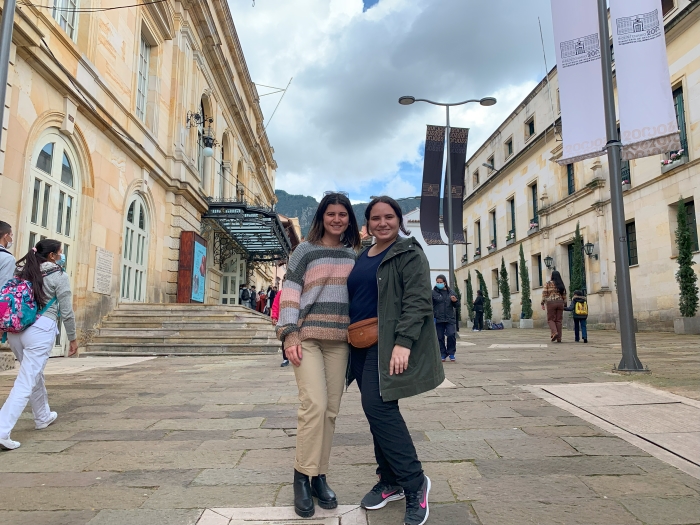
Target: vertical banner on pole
648,123
458,156
577,44
430,193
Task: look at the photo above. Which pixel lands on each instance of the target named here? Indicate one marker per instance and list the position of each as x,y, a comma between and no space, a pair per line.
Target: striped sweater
315,302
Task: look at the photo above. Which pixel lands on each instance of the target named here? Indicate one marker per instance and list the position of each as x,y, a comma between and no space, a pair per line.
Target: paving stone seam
647,446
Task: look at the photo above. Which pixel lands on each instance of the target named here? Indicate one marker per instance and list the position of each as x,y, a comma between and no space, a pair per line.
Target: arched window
53,200
135,251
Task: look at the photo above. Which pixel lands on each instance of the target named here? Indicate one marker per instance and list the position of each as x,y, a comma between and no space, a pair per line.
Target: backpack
245,296
581,308
18,309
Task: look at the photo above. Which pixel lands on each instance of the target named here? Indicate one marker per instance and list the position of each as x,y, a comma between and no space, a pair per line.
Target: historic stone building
125,128
516,194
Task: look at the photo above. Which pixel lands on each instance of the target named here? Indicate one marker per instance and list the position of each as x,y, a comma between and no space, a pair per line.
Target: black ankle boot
320,489
303,501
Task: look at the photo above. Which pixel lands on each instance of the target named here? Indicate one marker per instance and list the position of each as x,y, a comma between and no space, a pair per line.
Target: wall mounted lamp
549,263
588,248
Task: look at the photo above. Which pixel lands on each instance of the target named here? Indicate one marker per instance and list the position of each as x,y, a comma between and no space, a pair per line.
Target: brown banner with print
432,176
458,156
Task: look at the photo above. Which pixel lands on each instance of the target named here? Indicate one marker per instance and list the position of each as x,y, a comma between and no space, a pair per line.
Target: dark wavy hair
394,205
29,267
444,280
558,282
351,237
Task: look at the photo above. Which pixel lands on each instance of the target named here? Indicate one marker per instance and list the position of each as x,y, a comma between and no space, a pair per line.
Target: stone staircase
183,329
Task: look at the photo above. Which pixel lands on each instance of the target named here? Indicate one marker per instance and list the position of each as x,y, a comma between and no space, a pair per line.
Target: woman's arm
287,326
417,302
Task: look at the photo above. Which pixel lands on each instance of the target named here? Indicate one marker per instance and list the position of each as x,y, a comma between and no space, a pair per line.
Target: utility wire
87,9
278,104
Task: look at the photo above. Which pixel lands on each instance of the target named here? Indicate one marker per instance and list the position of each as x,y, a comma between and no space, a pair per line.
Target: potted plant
492,246
534,226
686,277
510,239
477,253
674,157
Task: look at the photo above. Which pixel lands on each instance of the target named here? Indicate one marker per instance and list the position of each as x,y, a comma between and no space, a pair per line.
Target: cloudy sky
340,126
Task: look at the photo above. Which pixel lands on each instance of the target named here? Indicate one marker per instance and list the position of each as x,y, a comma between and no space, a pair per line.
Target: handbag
364,334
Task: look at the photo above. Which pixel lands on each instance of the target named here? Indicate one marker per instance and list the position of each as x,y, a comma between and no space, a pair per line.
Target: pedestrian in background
253,301
313,326
444,311
394,353
579,309
7,260
244,296
43,268
554,297
478,312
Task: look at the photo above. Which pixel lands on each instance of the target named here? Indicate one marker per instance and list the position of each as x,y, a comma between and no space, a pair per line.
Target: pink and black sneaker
417,505
380,495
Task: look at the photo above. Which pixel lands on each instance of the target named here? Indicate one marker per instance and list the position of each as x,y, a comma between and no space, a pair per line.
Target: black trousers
446,330
394,451
478,320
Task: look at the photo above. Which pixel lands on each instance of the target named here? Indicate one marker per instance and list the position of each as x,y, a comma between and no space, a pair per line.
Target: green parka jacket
405,313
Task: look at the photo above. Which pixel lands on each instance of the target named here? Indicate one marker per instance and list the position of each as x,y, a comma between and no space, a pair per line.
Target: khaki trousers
320,378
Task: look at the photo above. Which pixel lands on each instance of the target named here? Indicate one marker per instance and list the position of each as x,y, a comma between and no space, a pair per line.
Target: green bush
505,291
525,287
686,277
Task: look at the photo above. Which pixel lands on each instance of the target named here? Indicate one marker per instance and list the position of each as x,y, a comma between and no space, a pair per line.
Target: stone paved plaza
159,441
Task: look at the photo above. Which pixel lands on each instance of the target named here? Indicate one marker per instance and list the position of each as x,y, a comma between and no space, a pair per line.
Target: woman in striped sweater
313,327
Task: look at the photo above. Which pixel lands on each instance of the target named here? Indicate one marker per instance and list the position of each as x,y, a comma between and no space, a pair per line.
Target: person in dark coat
479,312
444,310
579,309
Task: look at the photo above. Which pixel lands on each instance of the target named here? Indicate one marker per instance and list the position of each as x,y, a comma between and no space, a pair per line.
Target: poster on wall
199,272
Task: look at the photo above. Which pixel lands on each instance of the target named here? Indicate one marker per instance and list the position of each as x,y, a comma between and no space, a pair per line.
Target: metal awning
239,227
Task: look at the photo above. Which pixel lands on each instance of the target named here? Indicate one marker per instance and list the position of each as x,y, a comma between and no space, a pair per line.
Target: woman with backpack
554,296
43,268
313,327
394,353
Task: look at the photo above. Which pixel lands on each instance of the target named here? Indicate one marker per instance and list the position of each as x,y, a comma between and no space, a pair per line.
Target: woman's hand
399,360
454,298
73,348
293,353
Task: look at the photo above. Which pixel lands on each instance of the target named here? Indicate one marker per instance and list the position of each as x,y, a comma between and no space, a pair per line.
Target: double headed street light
487,101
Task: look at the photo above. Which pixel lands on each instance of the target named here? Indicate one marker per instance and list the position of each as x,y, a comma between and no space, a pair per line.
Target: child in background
579,307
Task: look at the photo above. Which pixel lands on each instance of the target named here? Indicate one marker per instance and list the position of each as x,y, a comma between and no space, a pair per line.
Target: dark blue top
362,286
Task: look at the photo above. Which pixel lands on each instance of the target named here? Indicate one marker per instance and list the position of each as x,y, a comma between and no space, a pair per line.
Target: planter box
673,166
687,325
507,324
477,257
527,323
533,230
491,250
509,242
626,186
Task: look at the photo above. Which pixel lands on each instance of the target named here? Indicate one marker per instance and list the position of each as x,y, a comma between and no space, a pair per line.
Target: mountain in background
304,207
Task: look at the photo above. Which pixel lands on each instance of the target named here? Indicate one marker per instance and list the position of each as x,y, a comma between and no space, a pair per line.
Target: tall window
515,276
667,5
570,180
494,239
632,243
530,128
533,196
477,232
511,206
509,148
491,162
539,269
64,12
495,288
475,179
142,85
680,117
692,224
135,251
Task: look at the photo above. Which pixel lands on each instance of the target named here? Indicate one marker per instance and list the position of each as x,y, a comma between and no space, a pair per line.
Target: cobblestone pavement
159,441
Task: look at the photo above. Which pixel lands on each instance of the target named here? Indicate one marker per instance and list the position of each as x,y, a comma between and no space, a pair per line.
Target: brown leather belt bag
364,333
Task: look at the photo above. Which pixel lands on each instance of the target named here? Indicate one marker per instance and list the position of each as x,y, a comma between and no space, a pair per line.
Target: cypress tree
576,281
525,286
488,313
470,297
505,291
686,277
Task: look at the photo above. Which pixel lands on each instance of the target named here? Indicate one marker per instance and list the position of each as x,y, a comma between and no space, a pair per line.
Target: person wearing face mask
7,260
43,268
444,309
394,353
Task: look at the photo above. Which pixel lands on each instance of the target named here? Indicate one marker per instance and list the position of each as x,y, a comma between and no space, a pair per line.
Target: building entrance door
52,206
233,276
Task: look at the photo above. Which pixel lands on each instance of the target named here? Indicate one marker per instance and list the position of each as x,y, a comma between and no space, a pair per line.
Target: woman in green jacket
394,352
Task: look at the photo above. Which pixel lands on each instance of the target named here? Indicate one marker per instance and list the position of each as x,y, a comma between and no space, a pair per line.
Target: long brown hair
394,205
351,237
29,267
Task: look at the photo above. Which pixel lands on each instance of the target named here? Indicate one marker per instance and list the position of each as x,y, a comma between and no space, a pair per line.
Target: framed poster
192,269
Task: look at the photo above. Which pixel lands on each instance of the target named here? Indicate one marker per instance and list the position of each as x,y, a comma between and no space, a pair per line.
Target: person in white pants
42,266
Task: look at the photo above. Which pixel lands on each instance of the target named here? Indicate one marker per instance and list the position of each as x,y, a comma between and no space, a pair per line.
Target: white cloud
340,126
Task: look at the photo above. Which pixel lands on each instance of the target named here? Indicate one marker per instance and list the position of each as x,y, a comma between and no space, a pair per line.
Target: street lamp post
487,101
